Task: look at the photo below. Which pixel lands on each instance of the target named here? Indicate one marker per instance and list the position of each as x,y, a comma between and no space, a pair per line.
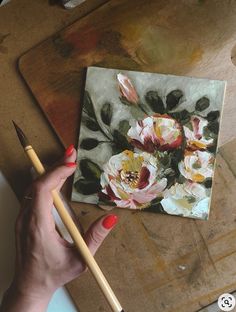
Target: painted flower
157,132
197,165
189,199
127,90
132,180
195,138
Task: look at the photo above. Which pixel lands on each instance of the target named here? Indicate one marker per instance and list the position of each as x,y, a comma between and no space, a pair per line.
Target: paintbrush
71,227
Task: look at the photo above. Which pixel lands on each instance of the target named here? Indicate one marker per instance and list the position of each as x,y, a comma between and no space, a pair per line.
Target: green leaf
86,187
214,115
191,199
181,116
106,113
155,206
214,126
202,104
208,134
212,148
91,124
89,169
89,144
120,141
208,182
155,102
124,126
173,98
88,104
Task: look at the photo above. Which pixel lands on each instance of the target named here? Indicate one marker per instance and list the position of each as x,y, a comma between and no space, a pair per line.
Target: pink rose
157,132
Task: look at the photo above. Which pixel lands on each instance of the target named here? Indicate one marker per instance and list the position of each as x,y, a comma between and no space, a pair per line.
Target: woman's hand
44,260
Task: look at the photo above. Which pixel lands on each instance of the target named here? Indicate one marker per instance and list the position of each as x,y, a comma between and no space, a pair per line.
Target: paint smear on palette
148,141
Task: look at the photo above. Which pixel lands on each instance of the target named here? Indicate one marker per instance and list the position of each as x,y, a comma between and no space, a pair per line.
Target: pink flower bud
127,90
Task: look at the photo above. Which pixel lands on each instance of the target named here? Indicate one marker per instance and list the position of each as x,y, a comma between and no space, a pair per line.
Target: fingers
69,159
42,202
98,231
52,179
70,154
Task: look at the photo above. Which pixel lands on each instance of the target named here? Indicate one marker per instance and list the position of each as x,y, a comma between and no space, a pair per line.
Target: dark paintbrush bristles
23,139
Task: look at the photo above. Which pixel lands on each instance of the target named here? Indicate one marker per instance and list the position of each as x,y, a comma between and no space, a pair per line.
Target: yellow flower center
131,167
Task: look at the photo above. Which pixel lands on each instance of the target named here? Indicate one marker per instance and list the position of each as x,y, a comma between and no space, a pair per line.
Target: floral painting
148,142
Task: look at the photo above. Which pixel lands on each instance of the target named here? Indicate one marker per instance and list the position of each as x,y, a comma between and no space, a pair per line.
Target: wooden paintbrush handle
76,236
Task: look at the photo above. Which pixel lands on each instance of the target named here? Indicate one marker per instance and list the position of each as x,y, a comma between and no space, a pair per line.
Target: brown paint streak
111,42
84,41
3,49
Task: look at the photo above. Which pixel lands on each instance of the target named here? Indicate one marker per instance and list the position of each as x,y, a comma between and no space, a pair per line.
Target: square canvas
148,141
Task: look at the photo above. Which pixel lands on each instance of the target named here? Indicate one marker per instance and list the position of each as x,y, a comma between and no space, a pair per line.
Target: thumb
98,232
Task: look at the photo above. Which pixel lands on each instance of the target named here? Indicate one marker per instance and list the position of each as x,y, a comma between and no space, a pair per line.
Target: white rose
197,165
188,199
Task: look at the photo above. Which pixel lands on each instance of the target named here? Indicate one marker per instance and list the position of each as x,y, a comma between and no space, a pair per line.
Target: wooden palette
163,263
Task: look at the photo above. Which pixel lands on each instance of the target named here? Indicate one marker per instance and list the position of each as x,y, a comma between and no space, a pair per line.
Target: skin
44,260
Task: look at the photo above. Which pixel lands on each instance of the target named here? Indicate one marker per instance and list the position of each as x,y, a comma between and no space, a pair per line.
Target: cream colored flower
197,166
195,138
188,199
131,180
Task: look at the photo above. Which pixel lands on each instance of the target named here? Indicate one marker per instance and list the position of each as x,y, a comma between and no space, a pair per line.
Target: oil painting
148,141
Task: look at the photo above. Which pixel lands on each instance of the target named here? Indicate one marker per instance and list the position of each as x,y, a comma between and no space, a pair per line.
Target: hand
44,260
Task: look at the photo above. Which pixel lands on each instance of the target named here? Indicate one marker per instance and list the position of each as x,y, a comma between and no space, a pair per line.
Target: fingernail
109,221
69,150
70,164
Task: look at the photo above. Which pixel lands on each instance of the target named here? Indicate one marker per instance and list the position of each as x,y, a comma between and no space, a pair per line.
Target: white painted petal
201,210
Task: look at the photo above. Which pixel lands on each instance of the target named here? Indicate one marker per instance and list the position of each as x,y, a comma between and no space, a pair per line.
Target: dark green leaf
89,144
208,134
120,141
202,104
88,104
173,98
155,207
212,148
213,126
182,116
89,169
106,113
213,115
208,182
91,124
155,102
124,126
191,199
86,187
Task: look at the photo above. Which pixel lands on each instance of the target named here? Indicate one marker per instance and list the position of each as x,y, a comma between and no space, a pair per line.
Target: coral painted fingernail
69,150
109,221
70,164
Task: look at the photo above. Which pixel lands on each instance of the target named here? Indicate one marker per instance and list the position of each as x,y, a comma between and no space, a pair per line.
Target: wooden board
163,263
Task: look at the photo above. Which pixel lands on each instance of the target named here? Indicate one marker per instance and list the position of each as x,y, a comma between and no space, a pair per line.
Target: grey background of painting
101,83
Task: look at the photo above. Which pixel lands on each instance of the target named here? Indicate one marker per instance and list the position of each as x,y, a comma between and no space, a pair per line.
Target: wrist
21,300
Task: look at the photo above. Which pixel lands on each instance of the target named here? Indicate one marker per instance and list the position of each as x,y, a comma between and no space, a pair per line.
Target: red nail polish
109,221
70,164
69,150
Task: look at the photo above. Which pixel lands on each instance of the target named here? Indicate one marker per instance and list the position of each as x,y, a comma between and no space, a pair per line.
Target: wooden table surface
16,103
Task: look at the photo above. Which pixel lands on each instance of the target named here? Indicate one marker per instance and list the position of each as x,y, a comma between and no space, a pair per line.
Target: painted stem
142,109
100,128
